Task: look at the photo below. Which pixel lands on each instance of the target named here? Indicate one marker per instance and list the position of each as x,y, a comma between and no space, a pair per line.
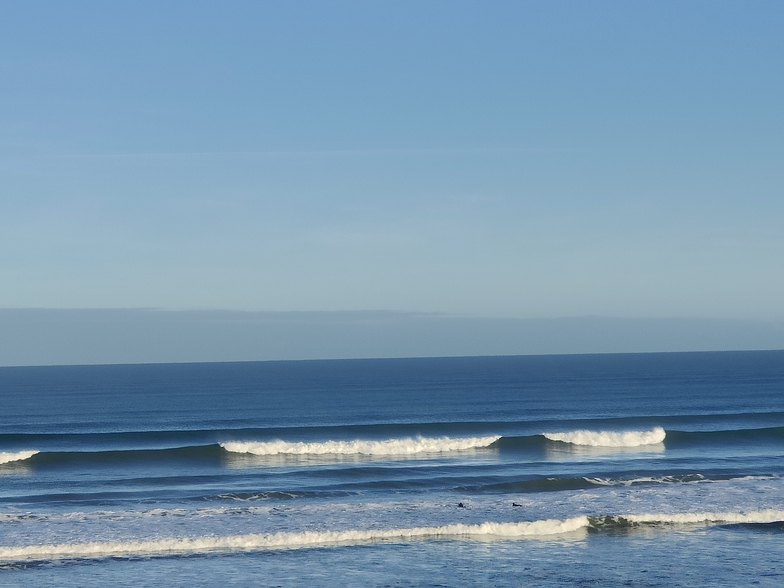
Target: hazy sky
493,159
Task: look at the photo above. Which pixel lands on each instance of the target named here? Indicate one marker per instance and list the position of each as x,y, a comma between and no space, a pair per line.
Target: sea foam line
294,540
668,479
389,447
288,540
609,438
691,518
11,456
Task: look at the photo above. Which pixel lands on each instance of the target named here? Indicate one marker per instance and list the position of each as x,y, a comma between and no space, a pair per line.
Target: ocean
576,470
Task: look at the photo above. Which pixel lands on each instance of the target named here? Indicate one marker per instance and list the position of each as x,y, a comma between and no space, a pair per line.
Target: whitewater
309,539
657,469
386,447
609,438
11,456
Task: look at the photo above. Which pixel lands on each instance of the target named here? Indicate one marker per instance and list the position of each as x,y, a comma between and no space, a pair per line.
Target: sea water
601,470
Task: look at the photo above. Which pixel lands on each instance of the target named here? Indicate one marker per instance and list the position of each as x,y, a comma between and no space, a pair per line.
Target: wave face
689,518
387,447
12,456
610,438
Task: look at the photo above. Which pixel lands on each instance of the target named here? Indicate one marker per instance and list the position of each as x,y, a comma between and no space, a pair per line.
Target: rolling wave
609,438
387,447
12,456
196,439
213,452
287,540
541,529
688,518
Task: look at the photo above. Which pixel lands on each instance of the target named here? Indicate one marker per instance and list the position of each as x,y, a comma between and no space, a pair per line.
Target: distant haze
54,337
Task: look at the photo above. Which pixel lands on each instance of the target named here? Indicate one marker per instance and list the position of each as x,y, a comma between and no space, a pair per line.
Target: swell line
117,457
398,447
655,439
558,484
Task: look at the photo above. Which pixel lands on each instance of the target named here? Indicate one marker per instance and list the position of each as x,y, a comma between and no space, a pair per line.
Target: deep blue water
602,470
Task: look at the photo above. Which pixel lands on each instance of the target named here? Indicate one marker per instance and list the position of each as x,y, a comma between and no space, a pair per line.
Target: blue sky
488,159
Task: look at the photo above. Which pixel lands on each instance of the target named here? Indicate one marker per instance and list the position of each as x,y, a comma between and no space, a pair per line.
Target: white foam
690,479
609,438
287,540
10,456
691,518
386,447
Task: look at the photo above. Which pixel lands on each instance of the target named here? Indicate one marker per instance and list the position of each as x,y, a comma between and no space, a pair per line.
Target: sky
488,159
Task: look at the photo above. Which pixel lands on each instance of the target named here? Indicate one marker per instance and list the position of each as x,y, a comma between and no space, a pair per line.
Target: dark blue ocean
584,470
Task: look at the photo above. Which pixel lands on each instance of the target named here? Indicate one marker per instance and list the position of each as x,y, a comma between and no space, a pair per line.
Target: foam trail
10,456
402,446
609,438
685,479
690,518
287,540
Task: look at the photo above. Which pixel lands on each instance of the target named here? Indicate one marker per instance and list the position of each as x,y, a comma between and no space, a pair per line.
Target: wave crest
687,518
609,438
387,447
11,456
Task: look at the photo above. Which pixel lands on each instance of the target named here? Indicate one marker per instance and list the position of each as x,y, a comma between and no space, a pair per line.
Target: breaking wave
288,540
387,447
11,456
609,438
297,540
689,518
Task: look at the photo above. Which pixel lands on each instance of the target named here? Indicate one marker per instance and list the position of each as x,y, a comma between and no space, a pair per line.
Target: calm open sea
600,470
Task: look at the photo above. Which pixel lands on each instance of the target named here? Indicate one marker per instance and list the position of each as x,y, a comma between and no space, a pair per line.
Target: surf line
541,529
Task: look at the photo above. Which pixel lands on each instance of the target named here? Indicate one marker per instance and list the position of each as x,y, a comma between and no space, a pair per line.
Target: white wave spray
609,438
287,540
387,447
11,456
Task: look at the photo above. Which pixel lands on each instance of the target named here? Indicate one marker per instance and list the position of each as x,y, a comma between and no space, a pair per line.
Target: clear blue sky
493,159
